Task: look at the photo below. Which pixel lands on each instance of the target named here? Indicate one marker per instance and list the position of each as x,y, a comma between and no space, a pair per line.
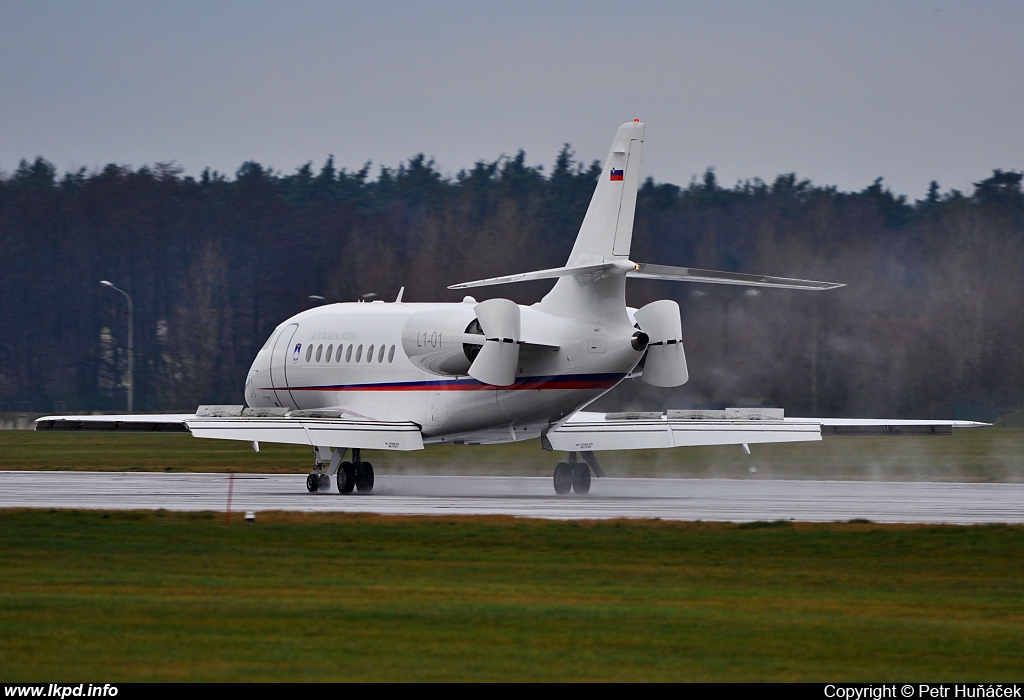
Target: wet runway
671,499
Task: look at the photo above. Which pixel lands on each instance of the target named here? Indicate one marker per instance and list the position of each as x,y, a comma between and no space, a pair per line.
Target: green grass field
981,454
162,596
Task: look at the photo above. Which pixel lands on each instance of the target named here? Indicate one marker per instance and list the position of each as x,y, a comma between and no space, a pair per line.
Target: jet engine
498,360
481,341
665,362
436,339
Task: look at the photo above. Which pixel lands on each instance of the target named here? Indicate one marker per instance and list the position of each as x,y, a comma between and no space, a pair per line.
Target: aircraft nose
260,369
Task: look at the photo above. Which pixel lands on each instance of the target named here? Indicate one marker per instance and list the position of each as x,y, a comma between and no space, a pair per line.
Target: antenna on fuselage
398,299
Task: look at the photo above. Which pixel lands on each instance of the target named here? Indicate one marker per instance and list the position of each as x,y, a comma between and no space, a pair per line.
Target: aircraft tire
581,478
364,478
563,478
346,477
312,483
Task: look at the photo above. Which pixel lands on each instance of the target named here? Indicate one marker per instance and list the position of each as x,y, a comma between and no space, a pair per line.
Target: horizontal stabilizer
654,272
692,274
550,273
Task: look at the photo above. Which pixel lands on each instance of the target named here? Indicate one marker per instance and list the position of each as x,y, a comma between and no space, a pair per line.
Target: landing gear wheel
312,483
580,478
346,477
563,478
325,482
364,478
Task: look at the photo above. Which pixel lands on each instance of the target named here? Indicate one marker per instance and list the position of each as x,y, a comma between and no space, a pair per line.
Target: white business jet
349,377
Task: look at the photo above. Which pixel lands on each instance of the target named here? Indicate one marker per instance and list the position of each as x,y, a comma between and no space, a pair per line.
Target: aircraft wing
586,431
135,423
334,427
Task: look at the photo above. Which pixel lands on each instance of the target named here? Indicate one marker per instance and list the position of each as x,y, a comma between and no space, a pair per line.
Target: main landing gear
575,475
356,475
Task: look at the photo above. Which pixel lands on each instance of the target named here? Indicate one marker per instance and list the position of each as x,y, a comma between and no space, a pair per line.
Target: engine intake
443,341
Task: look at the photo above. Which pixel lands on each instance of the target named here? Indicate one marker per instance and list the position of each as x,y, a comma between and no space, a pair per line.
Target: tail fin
607,230
592,284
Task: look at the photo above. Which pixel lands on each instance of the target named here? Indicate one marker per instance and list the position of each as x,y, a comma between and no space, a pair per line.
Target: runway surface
670,499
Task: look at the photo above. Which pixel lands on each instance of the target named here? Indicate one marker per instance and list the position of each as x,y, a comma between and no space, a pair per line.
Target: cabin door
285,355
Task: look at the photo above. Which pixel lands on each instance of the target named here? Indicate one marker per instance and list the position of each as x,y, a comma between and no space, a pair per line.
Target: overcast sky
839,92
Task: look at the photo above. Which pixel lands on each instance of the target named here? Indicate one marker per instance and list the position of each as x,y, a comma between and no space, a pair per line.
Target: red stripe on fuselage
526,384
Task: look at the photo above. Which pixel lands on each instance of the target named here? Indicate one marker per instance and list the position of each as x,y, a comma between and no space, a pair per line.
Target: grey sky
840,92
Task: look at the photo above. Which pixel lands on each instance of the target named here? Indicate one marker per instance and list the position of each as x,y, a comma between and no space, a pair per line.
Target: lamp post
131,343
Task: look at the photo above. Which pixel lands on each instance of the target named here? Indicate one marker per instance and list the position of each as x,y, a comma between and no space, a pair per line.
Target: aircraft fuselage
356,357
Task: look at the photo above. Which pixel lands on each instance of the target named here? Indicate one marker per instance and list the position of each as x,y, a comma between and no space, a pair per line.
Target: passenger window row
347,351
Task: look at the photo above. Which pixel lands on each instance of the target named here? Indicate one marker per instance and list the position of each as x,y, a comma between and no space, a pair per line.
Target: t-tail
591,285
603,243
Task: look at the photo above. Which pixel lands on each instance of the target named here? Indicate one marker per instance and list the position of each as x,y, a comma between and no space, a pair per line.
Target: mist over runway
737,500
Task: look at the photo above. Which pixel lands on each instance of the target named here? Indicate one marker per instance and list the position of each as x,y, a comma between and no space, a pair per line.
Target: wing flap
364,434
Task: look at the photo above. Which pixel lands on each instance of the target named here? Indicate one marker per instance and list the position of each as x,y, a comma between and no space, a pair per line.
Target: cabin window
319,352
348,353
309,352
380,354
338,356
391,354
359,353
330,349
369,354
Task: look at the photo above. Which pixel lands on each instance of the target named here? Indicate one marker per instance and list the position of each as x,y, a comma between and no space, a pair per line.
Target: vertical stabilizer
607,229
605,236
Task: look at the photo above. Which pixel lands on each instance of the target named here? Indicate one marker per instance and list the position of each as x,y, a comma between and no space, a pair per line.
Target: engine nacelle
436,339
665,364
501,322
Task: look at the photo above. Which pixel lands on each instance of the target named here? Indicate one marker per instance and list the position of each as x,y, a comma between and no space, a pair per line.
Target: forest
930,324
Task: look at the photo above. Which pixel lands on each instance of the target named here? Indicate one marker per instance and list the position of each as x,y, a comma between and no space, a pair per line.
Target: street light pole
131,343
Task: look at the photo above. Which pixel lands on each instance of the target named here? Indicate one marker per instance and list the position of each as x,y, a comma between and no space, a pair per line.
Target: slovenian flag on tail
616,175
